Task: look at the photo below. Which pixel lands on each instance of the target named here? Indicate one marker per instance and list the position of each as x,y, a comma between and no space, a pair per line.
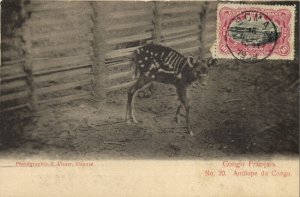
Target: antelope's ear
190,61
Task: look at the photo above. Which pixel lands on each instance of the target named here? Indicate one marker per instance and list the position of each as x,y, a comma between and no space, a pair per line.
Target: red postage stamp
255,32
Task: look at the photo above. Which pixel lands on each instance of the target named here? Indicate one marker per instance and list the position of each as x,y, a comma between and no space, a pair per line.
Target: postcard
149,98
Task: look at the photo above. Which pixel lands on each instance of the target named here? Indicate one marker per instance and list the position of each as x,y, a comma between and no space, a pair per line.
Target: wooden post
99,49
202,17
27,65
156,23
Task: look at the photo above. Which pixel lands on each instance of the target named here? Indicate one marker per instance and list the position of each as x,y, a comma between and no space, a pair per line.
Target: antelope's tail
133,67
136,73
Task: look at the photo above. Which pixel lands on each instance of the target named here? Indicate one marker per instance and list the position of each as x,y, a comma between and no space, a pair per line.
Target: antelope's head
200,66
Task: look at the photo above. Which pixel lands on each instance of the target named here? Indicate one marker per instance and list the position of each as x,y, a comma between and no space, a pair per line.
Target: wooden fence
208,35
69,50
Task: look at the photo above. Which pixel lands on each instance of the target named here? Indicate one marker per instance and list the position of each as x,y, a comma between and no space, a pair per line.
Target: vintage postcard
149,98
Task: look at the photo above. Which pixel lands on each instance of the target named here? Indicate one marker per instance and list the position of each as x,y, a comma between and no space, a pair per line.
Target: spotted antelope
166,65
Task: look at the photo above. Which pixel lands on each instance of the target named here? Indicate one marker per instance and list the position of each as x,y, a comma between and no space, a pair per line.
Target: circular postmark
251,36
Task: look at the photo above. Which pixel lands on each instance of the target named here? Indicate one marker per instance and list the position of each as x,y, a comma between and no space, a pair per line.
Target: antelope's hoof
191,133
128,122
177,120
134,121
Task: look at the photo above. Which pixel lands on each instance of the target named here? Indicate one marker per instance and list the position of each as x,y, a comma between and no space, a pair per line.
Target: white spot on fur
146,58
147,74
140,61
179,76
147,51
153,76
142,65
152,66
155,54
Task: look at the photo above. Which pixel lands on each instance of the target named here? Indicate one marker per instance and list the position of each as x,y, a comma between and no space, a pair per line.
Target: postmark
253,33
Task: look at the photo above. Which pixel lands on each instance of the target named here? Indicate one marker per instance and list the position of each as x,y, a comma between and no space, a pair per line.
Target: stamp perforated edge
292,8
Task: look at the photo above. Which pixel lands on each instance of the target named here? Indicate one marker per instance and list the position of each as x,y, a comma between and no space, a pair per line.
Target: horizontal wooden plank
111,27
14,77
13,84
42,31
210,27
180,18
114,65
13,96
42,51
63,75
212,6
209,37
86,32
125,39
61,69
11,40
120,86
11,70
180,41
41,6
211,16
179,10
120,53
64,99
15,107
119,75
64,86
176,30
49,63
130,13
46,22
11,62
182,35
189,50
63,13
7,55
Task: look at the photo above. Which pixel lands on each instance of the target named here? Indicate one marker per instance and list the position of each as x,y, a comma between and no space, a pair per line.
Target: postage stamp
253,33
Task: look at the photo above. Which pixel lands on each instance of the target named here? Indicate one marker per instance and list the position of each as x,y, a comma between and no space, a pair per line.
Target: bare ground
244,110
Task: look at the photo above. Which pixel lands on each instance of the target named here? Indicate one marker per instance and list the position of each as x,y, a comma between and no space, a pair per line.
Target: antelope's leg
148,91
182,94
151,88
127,109
177,113
141,83
187,109
130,96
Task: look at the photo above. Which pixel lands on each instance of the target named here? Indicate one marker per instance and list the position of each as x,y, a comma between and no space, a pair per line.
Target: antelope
163,64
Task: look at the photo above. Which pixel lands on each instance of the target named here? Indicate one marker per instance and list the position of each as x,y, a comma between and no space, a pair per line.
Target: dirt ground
244,110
